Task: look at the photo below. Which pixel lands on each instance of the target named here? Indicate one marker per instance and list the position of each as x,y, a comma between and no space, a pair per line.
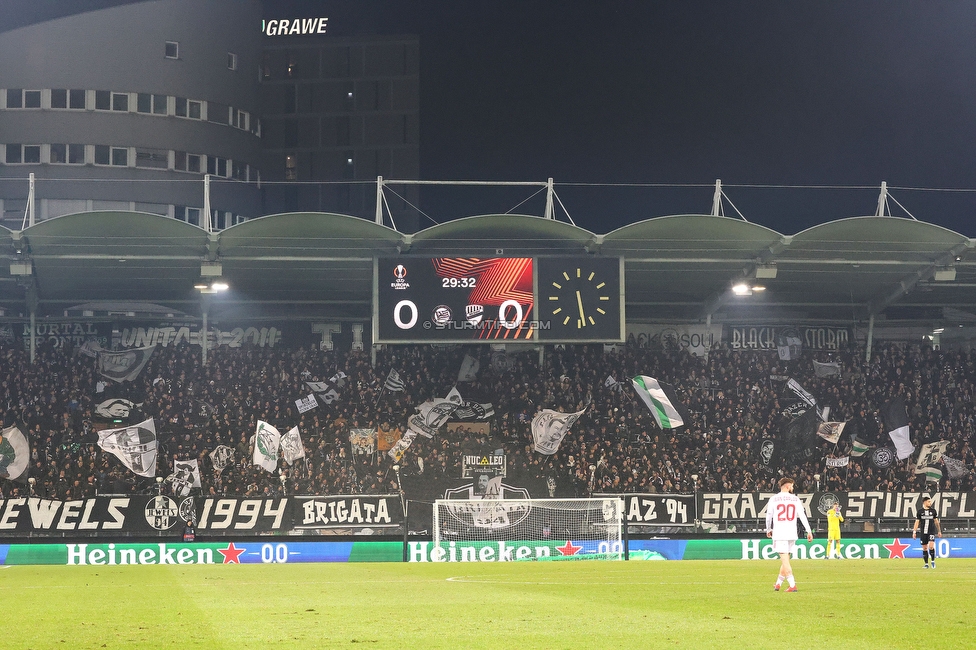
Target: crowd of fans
735,398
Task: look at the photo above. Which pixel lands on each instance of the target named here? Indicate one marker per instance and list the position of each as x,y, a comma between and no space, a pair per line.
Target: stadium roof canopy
677,268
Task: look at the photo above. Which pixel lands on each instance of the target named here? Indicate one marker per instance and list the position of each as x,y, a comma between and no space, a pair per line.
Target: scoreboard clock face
447,299
580,298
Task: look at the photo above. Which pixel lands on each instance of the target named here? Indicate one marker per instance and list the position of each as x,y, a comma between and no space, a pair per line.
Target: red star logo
568,549
232,554
896,549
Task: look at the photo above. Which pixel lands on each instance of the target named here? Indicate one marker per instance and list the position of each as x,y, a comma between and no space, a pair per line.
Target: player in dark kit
929,521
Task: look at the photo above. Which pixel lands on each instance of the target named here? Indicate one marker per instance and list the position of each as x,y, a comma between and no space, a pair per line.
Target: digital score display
455,299
510,299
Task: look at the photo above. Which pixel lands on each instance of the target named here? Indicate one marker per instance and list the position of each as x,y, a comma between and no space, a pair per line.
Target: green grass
685,604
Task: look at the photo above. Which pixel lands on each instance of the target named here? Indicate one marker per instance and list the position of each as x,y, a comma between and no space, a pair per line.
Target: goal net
529,529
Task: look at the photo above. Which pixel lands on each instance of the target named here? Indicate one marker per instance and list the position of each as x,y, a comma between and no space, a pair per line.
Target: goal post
529,529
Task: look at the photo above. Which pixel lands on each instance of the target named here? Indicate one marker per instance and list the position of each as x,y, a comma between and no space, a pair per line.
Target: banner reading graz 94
660,509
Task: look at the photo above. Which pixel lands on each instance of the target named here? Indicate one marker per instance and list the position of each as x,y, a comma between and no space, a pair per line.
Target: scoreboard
498,299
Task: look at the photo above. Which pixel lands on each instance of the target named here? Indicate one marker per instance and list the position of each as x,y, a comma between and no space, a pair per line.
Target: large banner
774,337
340,513
856,505
97,515
660,509
145,514
697,339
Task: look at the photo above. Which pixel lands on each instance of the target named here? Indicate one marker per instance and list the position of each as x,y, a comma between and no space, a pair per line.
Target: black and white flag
393,382
221,457
955,468
362,441
895,417
800,392
661,399
324,391
550,427
135,446
469,369
433,413
115,408
185,476
125,365
830,369
292,447
843,461
612,383
14,455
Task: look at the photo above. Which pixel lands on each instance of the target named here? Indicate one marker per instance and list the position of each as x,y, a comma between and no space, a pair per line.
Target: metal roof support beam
766,257
907,284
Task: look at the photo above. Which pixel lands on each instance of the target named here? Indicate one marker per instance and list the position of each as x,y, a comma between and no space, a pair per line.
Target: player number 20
785,512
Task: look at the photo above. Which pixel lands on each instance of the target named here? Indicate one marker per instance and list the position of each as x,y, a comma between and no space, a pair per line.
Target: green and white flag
266,441
662,401
929,456
14,455
859,447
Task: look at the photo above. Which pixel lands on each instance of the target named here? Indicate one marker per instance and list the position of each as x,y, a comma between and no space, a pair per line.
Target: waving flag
124,366
469,369
393,382
433,413
895,416
266,441
661,399
292,447
14,455
221,457
135,446
185,476
929,457
550,427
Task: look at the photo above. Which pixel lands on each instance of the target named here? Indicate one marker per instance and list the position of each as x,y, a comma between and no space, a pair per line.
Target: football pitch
522,605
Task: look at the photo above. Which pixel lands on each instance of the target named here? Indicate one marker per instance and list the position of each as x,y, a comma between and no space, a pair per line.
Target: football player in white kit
782,512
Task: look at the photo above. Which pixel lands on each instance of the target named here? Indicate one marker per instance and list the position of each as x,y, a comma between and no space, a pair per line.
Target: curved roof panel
514,234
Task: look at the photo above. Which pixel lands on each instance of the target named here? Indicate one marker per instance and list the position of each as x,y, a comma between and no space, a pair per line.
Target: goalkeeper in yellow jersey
833,531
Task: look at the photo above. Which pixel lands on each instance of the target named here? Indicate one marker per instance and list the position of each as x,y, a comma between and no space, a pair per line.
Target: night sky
651,93
777,93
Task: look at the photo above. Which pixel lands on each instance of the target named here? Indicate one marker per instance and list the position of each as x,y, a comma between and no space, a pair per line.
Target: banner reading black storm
773,337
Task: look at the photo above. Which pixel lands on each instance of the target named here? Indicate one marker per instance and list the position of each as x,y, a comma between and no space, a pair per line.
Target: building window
189,215
217,166
76,154
32,99
103,100
102,154
291,167
120,101
32,153
239,171
231,61
76,98
15,98
59,98
152,158
120,157
59,154
15,154
218,113
241,119
147,103
172,50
